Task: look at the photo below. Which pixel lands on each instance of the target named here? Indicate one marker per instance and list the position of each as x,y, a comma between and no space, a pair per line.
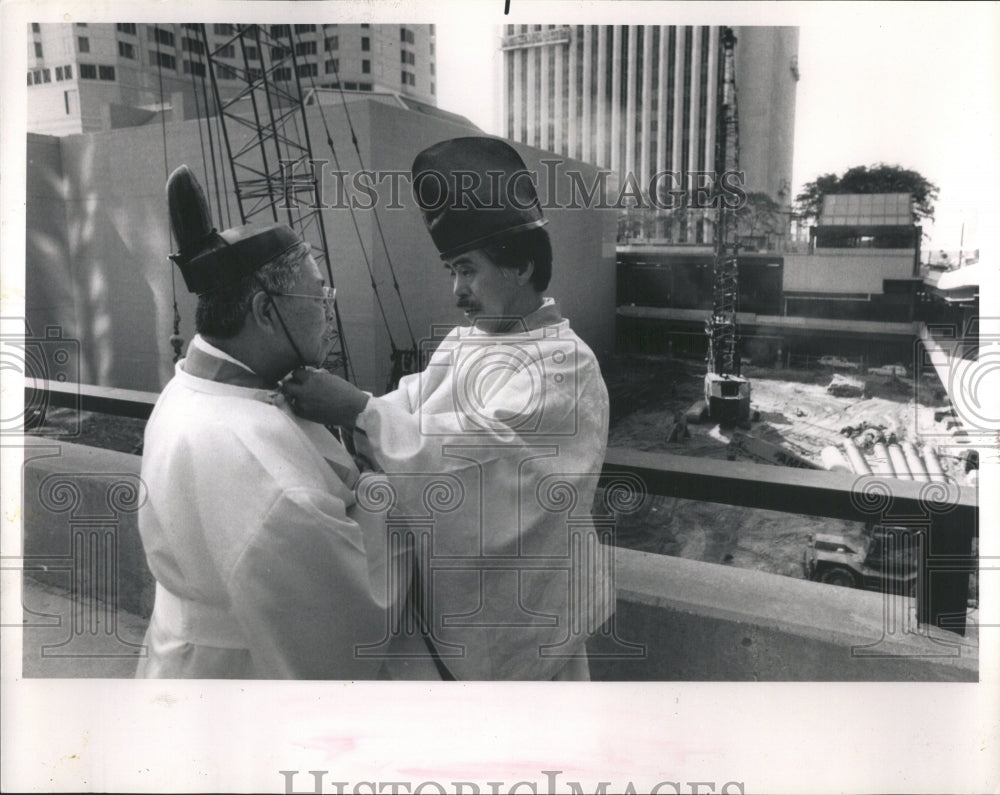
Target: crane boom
727,393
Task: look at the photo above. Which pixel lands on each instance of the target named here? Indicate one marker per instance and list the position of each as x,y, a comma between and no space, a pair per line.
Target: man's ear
525,272
262,311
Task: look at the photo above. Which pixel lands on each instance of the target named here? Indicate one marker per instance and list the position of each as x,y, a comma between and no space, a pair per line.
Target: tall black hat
473,191
209,259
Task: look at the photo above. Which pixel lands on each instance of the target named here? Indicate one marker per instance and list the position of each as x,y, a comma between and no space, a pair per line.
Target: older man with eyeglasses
251,527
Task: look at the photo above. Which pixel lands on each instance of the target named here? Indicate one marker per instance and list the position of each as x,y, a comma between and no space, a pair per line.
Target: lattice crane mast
727,393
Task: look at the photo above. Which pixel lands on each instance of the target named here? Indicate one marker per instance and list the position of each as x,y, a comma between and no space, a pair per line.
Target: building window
87,71
406,35
160,36
332,66
432,88
277,31
36,28
432,67
432,48
364,86
157,58
29,78
68,72
366,43
59,73
366,67
307,70
192,45
348,86
222,30
251,53
279,53
305,28
305,47
106,72
225,72
365,25
81,24
194,68
228,51
126,50
283,74
126,27
38,48
332,43
408,78
254,74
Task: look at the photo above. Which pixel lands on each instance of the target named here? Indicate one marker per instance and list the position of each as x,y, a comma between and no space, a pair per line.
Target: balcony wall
676,620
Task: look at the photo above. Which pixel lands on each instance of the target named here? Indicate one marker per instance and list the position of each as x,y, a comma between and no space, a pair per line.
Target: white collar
205,346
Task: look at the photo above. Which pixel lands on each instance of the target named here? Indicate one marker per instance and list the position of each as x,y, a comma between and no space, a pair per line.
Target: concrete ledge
692,621
705,622
81,531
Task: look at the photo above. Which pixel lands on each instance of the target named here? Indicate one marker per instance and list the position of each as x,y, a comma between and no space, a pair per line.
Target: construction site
829,354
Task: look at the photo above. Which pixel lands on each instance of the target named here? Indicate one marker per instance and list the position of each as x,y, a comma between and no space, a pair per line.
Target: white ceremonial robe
251,530
496,447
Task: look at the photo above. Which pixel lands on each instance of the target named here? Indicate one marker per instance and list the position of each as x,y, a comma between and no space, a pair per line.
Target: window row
160,36
37,77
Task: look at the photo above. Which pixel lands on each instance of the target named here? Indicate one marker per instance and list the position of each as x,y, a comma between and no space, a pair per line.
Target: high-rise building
89,77
642,99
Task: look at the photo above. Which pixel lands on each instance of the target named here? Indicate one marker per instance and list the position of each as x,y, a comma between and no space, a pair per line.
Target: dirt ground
796,412
647,393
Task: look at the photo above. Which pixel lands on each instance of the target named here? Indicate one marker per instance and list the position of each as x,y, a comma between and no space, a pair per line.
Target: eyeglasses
328,294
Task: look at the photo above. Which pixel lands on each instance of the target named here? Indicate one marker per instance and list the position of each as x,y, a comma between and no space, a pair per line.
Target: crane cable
378,222
176,340
396,353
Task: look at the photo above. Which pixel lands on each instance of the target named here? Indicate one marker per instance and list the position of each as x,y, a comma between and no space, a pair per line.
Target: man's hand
323,397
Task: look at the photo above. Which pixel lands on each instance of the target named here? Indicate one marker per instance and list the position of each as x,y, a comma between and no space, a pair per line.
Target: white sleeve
301,591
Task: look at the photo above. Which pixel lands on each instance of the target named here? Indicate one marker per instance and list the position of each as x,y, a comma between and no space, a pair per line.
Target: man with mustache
510,418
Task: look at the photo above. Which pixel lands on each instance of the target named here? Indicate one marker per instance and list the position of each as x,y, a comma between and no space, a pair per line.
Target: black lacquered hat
472,191
209,259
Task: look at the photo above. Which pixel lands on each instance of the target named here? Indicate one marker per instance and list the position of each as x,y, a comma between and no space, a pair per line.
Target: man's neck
247,352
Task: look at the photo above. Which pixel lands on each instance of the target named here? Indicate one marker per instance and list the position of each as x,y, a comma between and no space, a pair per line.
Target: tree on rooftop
879,178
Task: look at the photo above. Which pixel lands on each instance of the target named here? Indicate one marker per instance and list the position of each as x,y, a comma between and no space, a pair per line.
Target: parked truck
880,558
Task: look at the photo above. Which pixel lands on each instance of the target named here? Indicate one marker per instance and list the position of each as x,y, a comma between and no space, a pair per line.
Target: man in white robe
494,449
251,527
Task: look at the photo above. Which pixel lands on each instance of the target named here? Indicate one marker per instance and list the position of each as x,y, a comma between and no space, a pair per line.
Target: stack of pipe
900,461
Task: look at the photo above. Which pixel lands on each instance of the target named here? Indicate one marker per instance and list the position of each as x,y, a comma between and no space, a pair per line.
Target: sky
916,85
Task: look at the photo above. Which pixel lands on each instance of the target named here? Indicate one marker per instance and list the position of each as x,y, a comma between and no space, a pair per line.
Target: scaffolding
266,135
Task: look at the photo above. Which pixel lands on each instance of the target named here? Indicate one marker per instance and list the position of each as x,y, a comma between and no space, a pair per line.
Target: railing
945,516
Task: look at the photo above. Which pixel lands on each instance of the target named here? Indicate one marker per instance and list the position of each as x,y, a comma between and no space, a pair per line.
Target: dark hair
518,249
222,313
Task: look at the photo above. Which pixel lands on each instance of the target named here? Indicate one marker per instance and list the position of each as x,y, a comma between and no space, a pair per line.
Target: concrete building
97,240
91,77
640,99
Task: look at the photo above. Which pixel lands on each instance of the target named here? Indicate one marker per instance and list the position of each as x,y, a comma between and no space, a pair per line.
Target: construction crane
727,392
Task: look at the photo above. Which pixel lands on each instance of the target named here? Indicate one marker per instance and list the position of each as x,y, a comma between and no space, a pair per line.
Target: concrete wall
676,619
98,241
683,620
846,270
